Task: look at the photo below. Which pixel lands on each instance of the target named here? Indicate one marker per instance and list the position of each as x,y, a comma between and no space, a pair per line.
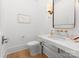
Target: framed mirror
64,14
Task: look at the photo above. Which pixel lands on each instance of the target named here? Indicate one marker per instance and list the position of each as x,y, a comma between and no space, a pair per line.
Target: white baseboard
15,49
19,48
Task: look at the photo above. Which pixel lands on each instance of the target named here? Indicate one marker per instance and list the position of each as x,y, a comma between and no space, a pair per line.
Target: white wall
14,31
0,29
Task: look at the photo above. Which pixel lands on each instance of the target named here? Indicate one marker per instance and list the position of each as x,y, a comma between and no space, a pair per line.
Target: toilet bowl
34,47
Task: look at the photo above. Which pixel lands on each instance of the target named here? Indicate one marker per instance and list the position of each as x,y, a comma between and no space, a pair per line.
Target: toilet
34,47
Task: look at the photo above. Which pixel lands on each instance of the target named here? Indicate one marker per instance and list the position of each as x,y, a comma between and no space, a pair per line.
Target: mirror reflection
64,13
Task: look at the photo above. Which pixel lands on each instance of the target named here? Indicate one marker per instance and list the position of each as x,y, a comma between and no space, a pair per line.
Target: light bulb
50,7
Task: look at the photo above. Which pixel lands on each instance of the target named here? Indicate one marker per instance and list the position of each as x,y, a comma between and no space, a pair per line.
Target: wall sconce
50,8
77,3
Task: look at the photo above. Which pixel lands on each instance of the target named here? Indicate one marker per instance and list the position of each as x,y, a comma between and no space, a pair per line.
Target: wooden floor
25,54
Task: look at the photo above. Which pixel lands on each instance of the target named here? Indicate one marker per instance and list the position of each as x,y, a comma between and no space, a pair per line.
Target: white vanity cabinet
68,49
52,52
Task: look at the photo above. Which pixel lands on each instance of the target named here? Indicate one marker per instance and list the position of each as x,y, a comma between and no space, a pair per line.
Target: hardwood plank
40,56
19,54
25,54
